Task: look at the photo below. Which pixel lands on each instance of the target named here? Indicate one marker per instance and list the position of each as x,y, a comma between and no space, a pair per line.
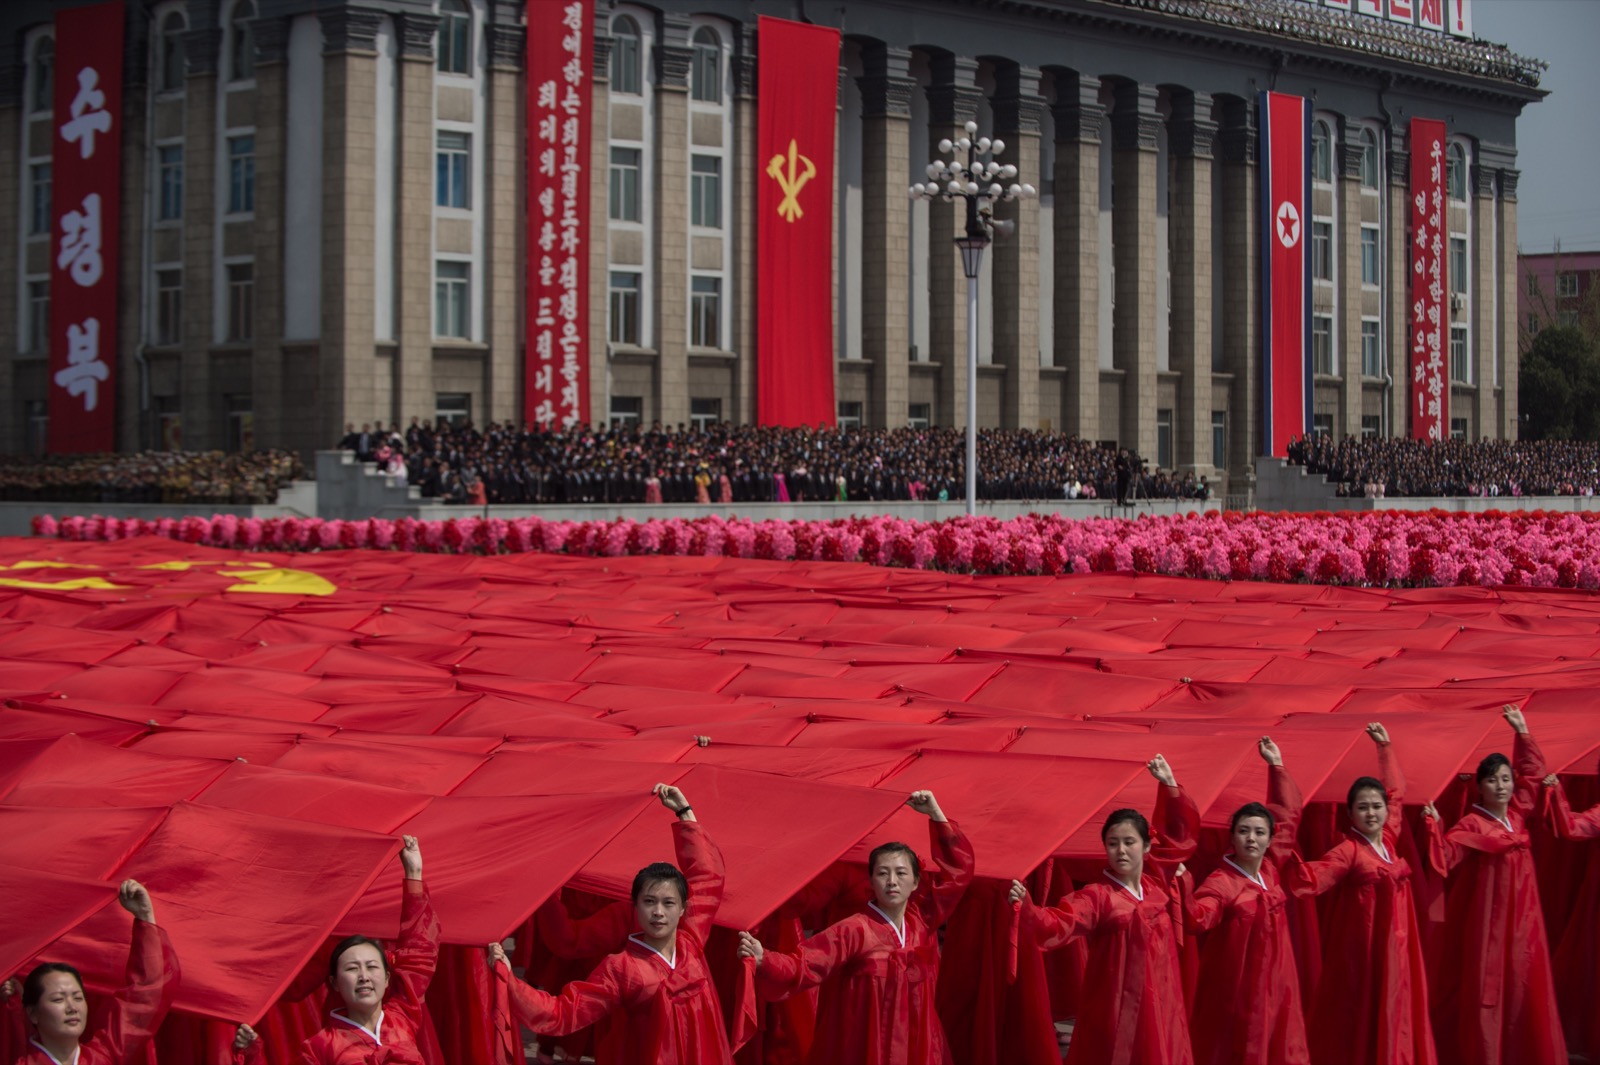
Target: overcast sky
1558,140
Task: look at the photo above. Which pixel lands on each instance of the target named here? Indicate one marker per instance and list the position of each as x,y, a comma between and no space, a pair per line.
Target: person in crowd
1246,1007
1577,977
1495,990
150,477
1376,467
1132,1011
1371,1004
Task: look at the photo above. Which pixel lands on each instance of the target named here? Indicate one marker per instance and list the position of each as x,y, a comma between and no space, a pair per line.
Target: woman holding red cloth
878,970
1247,1003
1578,981
1371,1005
1132,1011
1495,994
660,983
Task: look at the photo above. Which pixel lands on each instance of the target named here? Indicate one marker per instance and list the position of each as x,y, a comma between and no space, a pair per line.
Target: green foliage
1558,387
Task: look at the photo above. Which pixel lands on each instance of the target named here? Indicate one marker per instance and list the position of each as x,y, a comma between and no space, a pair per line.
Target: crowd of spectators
725,463
150,477
1377,468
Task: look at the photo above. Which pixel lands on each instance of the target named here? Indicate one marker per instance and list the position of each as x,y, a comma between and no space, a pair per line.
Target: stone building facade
323,216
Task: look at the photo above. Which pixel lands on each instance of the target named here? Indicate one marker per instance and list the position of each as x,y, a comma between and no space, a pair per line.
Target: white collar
376,1034
75,1052
1378,847
1503,820
1258,880
672,962
899,929
1136,894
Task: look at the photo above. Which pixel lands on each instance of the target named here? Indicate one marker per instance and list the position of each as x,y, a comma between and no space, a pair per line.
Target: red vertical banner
86,196
1285,269
560,104
1430,394
799,92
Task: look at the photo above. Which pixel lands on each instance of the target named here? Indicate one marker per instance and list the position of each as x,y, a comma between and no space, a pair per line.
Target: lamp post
981,183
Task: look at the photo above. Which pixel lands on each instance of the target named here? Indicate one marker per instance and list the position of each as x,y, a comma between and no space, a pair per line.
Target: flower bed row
1385,548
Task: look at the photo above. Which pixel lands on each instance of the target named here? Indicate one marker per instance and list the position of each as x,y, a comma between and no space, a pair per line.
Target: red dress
1247,1001
1495,993
876,1000
343,1042
670,1011
1578,983
136,1011
1371,1004
1132,1010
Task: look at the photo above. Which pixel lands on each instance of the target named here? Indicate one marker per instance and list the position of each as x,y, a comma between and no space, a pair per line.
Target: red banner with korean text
86,198
560,101
799,91
1430,391
1285,269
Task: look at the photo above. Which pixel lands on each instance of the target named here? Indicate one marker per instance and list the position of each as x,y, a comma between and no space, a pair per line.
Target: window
38,318
704,412
624,307
1458,428
918,415
849,416
455,169
1371,363
628,410
705,192
1458,265
1322,425
1460,370
452,407
169,182
241,301
625,184
241,422
1219,439
169,306
241,174
1533,285
169,423
705,312
36,414
625,57
1566,285
169,54
1456,172
42,76
1321,344
1533,323
241,42
455,37
1370,426
1321,153
706,73
1164,439
451,291
39,221
1369,255
1322,251
1369,159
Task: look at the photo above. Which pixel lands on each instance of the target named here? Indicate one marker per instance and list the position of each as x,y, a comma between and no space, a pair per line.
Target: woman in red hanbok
1371,1004
877,971
53,999
1247,1002
661,983
1132,1010
1495,993
383,1014
1577,975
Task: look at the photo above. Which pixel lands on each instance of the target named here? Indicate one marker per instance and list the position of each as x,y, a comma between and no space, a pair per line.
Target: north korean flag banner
799,91
1430,394
1285,269
87,203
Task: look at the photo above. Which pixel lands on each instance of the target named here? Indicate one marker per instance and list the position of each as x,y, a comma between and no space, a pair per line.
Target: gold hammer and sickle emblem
792,180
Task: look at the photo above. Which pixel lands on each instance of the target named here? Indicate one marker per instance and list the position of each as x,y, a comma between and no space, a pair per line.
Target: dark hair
1366,784
33,985
1253,809
1491,764
355,941
657,872
894,848
1126,816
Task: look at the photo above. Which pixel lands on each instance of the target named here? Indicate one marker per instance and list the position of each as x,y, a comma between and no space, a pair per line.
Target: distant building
1557,288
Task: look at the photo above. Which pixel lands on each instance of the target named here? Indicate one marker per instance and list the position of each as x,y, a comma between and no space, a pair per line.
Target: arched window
1369,159
42,75
1321,153
1456,172
625,56
241,42
706,80
169,54
455,37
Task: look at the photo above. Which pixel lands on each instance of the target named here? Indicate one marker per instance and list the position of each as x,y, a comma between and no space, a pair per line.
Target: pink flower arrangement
1386,548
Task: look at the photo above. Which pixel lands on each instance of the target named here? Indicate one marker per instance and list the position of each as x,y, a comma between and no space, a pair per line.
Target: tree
1558,389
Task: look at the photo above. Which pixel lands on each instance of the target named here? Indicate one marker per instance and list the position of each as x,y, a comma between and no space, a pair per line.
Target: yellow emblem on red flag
791,181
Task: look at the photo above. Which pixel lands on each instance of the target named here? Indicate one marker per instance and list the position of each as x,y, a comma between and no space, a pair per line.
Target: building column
1077,114
1347,355
1134,124
412,387
744,172
953,98
505,232
272,106
1397,298
886,169
673,58
1509,427
1191,140
1241,295
1018,115
202,47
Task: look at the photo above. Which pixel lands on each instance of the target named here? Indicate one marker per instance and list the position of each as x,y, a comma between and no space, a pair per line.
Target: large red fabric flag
1285,268
798,94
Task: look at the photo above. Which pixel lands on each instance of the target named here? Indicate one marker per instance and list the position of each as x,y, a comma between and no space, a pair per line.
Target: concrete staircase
346,488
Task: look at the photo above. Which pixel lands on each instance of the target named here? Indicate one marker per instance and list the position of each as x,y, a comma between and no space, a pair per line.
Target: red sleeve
1304,879
1394,780
580,1004
1177,827
1527,764
416,952
782,973
250,1055
602,932
1049,927
1283,799
1562,821
942,891
700,861
138,1009
1202,909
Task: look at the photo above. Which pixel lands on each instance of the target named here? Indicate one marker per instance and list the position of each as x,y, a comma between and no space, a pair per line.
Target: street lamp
981,182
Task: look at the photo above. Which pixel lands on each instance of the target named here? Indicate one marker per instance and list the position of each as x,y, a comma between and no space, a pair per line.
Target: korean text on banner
798,90
86,193
1285,269
1430,313
560,99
